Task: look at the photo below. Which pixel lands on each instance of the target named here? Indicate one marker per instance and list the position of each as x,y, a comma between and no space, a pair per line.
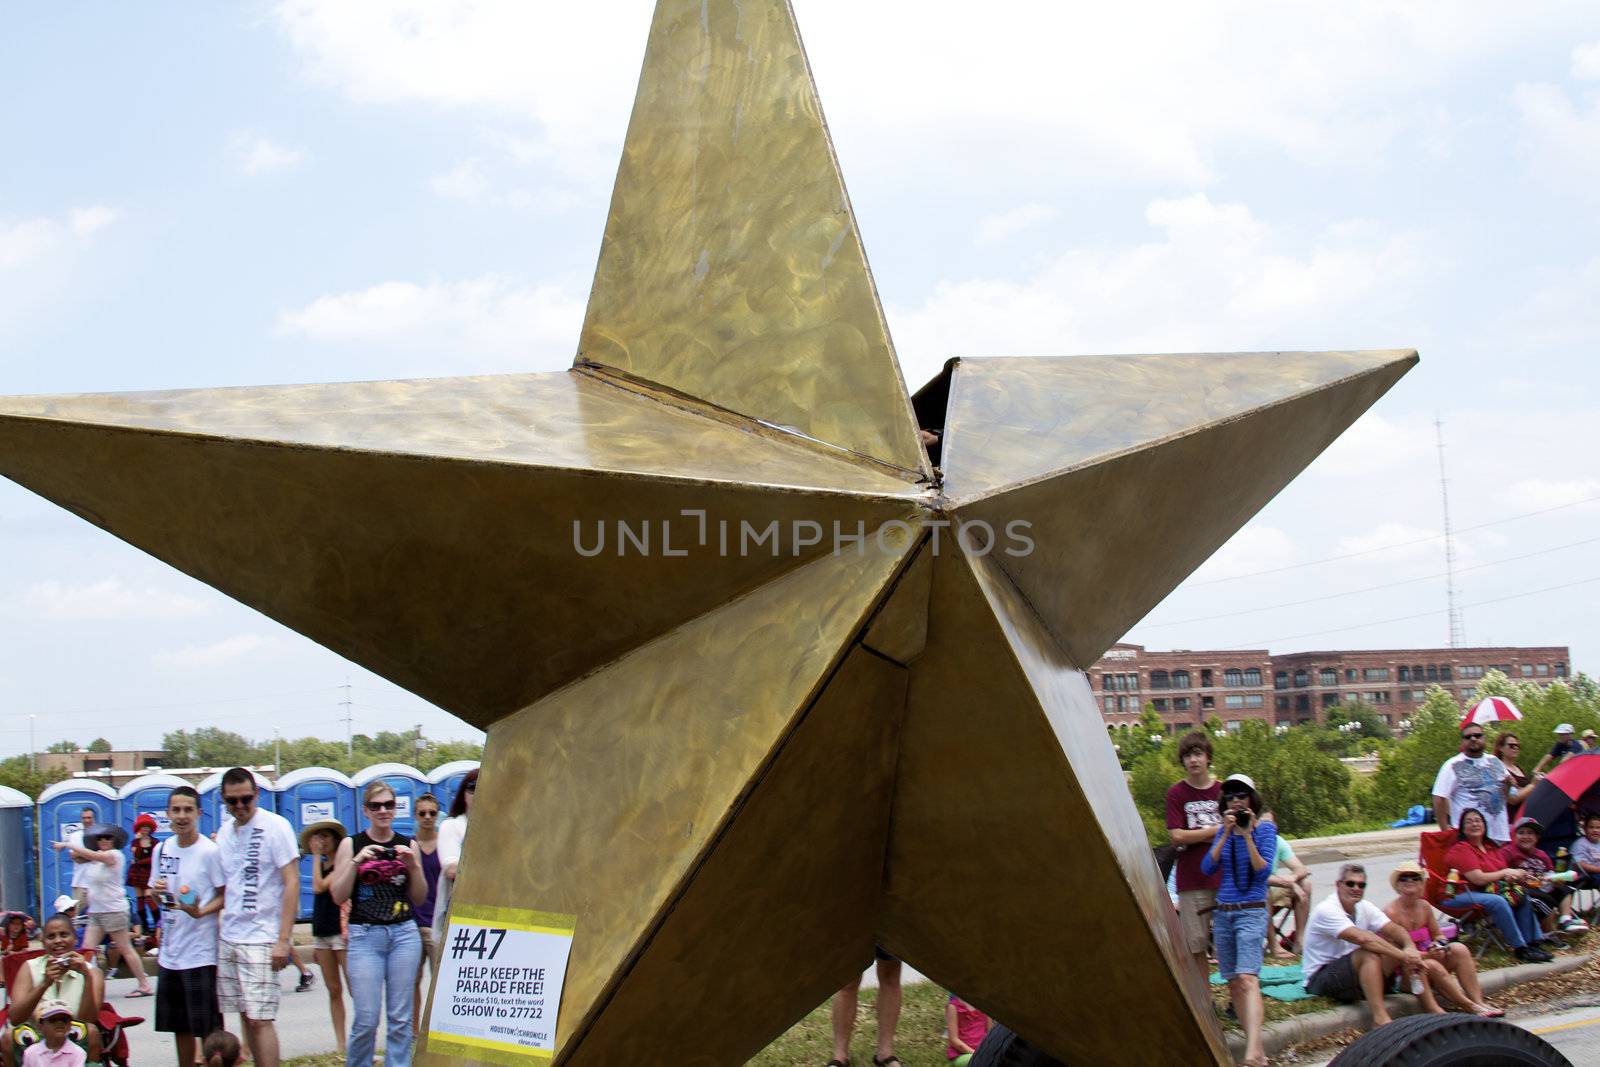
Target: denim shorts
1240,936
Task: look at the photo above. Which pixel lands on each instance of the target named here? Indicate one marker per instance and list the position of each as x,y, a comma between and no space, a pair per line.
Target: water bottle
1561,858
1452,883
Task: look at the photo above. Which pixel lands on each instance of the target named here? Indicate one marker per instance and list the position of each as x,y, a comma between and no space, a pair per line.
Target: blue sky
310,192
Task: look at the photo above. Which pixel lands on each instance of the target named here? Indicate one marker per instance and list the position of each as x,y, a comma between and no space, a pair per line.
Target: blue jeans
383,962
1240,936
1517,925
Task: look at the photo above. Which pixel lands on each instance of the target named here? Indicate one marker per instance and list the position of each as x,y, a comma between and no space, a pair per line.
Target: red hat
145,821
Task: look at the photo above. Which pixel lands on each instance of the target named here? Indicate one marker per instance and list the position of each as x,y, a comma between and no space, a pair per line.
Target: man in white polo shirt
1351,946
261,866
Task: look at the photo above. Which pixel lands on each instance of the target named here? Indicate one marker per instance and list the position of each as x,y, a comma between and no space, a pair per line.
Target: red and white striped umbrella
1492,709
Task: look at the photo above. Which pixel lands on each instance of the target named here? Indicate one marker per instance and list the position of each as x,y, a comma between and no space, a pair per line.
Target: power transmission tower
349,721
1457,627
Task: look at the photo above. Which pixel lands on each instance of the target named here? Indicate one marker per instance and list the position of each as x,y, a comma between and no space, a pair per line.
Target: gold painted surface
731,267
459,581
564,419
900,629
1015,420
1019,873
617,787
772,924
1113,538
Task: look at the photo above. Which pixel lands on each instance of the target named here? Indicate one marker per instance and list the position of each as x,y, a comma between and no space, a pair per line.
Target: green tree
99,744
1405,774
63,746
18,773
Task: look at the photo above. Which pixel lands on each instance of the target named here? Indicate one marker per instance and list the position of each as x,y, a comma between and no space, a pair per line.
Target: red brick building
1189,687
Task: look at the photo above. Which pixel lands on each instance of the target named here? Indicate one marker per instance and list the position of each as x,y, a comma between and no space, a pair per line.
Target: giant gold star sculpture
742,765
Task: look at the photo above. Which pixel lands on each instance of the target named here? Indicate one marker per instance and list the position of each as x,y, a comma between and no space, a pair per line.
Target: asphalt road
1574,1031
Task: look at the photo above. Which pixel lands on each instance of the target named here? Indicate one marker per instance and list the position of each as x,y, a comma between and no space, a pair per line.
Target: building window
1280,680
1233,701
1328,676
1111,705
1234,725
1405,674
1180,679
1542,670
1300,679
1281,703
1405,696
1233,677
1468,694
1350,674
1330,700
1375,674
1255,700
1180,703
1205,677
1207,703
1159,703
1444,673
1527,670
1416,672
1302,702
1252,676
1375,698
1433,673
1159,680
1560,670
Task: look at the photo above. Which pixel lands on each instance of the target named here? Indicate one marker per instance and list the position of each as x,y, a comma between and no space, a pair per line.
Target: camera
1242,819
168,901
388,854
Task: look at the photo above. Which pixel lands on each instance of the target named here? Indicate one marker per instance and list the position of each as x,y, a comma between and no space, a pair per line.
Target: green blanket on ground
1279,983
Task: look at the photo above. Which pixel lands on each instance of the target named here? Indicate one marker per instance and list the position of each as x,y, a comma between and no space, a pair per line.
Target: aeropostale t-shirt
253,855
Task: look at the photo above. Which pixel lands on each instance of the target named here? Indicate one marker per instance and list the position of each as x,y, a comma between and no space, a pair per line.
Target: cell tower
1457,628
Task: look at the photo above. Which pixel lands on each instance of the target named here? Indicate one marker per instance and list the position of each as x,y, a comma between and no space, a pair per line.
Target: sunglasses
1348,884
239,802
380,805
1405,878
425,814
471,787
1472,737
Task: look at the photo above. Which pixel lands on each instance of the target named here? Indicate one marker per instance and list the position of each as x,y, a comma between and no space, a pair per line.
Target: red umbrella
1576,775
1491,709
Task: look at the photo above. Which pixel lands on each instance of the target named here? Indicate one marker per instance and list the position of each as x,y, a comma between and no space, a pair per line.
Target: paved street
1575,1032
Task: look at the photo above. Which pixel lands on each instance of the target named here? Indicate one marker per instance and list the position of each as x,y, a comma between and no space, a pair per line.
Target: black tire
1450,1041
1002,1048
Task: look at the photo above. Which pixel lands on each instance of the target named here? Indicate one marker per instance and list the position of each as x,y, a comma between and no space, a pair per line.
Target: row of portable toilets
31,872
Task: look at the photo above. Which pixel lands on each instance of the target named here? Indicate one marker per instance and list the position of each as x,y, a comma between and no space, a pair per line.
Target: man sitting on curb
1351,947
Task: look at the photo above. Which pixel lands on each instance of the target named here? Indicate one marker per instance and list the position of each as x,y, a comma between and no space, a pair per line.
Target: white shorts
246,982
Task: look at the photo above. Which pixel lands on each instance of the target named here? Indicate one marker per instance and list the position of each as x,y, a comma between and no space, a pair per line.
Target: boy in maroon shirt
1549,898
1192,820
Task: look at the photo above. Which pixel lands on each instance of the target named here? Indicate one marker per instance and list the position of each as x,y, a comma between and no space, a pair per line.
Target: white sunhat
1564,728
1242,779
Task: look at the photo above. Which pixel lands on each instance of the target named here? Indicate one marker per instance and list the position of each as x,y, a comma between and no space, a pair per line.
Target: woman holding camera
1242,851
379,873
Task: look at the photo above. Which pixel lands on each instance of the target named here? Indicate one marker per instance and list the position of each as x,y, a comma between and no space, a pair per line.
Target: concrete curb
1310,1027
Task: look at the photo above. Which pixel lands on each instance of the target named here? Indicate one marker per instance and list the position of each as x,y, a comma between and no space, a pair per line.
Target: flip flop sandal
891,1058
837,1063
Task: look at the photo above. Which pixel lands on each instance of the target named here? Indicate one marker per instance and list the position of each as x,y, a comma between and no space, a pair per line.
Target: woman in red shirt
1480,864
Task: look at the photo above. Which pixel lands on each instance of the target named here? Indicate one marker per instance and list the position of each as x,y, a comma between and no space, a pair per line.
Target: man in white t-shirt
186,876
1351,946
261,869
81,870
1473,779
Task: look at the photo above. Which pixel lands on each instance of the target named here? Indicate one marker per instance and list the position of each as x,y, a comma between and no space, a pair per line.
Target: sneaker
1573,925
1531,954
306,981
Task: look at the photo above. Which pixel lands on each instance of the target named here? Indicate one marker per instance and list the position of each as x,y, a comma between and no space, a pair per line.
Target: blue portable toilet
312,794
408,784
19,884
59,808
210,790
445,780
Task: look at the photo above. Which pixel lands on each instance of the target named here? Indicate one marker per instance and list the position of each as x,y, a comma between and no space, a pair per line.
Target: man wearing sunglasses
1352,948
261,872
1473,779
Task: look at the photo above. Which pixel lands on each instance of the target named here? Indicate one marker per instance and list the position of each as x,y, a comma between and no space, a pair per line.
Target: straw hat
332,826
1408,867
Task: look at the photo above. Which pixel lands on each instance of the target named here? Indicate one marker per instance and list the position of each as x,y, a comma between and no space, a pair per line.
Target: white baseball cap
1564,728
65,902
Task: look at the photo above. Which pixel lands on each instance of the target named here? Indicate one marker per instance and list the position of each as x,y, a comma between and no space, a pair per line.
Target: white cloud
1586,62
192,657
1561,135
107,599
465,181
1376,444
1536,494
993,229
1256,547
1388,538
254,154
88,220
1216,279
27,241
490,314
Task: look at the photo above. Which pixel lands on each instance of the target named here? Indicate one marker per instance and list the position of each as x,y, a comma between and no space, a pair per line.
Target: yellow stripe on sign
485,1051
541,922
1567,1026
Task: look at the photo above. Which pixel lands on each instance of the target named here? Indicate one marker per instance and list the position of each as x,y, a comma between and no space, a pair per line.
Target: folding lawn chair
1474,927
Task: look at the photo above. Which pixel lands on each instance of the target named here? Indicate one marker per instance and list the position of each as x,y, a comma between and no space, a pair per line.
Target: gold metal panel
900,629
615,789
1114,537
731,268
1016,420
1019,874
781,913
457,580
564,419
